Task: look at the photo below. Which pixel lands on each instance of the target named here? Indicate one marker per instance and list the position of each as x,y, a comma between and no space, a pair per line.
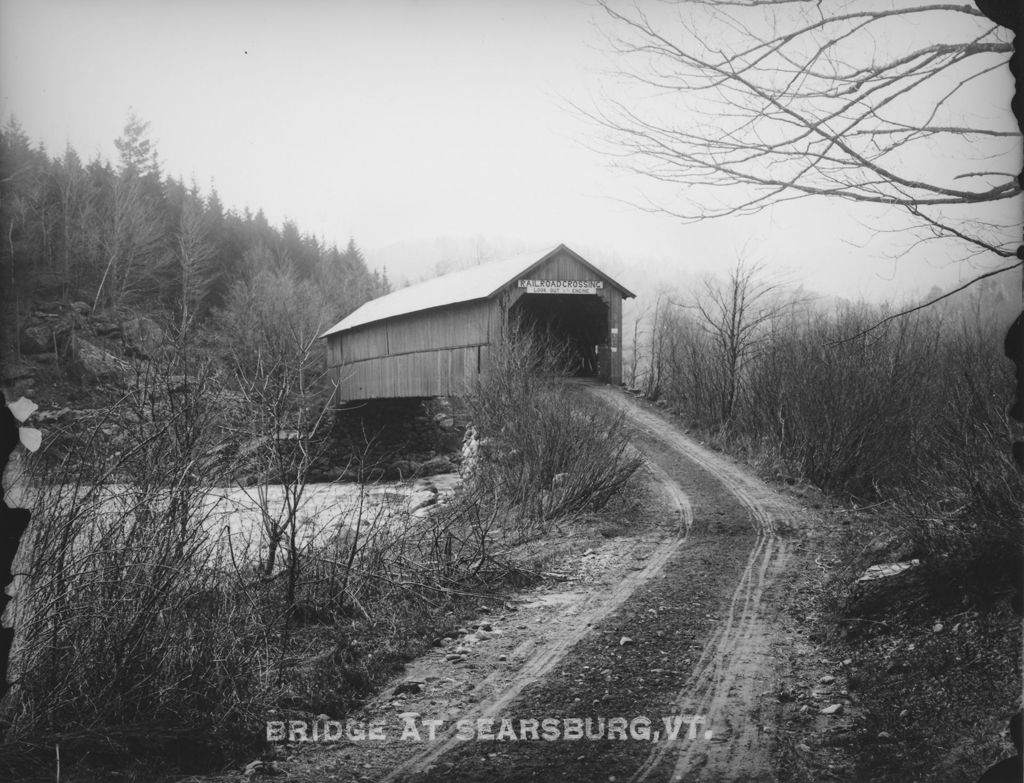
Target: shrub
545,448
124,614
911,412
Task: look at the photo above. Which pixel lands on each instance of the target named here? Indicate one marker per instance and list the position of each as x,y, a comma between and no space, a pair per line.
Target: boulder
36,339
436,465
403,468
884,585
409,686
450,441
444,420
421,499
95,360
16,371
105,328
143,335
887,570
470,446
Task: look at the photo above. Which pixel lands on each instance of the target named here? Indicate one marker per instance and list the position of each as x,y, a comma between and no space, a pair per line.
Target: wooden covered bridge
434,339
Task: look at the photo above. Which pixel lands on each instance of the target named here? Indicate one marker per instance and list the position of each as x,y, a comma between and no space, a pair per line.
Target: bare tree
750,103
131,234
636,352
735,315
131,243
271,325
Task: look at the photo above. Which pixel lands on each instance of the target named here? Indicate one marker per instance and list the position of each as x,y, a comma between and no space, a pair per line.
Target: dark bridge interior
579,321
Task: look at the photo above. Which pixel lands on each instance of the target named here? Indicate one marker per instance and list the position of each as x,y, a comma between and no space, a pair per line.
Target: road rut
735,666
681,621
733,677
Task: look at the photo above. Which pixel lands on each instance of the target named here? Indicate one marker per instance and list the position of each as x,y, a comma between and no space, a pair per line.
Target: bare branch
929,303
799,99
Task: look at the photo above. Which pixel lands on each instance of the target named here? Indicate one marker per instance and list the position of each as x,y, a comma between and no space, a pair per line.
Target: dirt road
667,668
733,683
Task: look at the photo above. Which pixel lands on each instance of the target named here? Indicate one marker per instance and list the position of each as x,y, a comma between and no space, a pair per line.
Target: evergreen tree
123,234
134,239
136,150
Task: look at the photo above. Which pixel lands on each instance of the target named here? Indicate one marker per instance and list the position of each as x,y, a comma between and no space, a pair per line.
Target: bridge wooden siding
418,355
434,339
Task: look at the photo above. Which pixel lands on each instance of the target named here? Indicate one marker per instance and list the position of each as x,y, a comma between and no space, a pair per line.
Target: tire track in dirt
735,665
598,606
701,615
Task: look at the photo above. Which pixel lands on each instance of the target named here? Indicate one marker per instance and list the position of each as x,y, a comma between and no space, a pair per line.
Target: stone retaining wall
396,438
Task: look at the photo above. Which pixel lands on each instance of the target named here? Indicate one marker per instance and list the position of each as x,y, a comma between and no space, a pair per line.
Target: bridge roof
478,282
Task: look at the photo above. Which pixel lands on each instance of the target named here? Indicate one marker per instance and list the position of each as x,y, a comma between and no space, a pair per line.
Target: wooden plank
450,327
366,342
333,350
423,374
562,266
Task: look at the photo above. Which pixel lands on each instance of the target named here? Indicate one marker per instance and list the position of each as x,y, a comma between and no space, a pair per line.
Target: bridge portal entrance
580,322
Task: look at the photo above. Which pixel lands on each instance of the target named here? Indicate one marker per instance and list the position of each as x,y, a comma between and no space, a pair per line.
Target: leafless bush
545,450
138,615
844,414
124,613
910,412
967,499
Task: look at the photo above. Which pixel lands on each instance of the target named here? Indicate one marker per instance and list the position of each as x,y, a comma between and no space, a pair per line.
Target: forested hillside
107,239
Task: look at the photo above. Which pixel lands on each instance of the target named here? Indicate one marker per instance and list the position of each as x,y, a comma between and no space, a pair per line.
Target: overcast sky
398,122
